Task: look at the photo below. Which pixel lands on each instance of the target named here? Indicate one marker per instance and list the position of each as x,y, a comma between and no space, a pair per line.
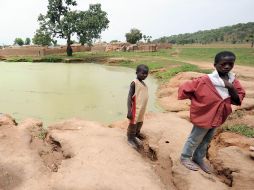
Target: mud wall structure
103,47
130,47
38,51
164,46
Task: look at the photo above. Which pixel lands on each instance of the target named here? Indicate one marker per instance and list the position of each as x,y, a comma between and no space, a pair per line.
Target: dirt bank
78,154
75,154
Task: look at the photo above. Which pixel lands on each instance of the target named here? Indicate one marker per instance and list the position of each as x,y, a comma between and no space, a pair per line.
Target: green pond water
55,91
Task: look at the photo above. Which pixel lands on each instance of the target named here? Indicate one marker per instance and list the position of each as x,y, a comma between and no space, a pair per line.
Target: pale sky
157,18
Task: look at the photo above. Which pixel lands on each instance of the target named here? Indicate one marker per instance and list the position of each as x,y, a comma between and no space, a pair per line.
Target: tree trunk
252,43
69,49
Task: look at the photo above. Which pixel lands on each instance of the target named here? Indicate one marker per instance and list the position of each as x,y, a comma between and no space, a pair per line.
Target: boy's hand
228,85
129,115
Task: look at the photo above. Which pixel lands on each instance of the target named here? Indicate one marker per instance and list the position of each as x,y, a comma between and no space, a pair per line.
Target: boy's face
142,74
225,65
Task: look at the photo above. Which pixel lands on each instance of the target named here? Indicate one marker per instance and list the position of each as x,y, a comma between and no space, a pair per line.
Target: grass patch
182,68
244,56
52,58
43,133
19,59
241,129
133,64
49,59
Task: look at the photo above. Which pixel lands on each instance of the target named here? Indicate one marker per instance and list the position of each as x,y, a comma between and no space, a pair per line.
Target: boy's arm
187,89
129,100
236,91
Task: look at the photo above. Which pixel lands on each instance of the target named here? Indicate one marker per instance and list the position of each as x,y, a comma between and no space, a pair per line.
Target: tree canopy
42,38
19,41
91,23
239,33
27,41
133,36
147,38
62,22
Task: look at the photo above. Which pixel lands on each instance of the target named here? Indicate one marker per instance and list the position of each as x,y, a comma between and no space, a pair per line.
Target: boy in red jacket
211,98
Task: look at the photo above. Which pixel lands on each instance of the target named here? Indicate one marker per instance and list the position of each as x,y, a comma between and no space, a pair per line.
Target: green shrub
241,129
49,59
19,59
43,133
183,68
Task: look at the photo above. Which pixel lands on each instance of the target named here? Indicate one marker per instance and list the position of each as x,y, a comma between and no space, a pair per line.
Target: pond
56,91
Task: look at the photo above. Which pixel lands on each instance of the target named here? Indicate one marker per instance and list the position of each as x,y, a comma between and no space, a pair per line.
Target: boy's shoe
135,143
141,136
205,167
188,163
138,134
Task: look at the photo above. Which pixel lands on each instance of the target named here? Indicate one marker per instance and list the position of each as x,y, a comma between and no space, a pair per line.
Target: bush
43,133
133,36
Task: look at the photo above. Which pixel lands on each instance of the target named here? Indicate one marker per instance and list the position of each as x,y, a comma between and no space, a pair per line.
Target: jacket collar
209,83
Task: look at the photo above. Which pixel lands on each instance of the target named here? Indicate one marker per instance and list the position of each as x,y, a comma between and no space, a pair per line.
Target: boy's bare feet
188,163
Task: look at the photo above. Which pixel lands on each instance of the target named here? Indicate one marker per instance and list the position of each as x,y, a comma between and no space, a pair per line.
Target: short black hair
142,67
223,54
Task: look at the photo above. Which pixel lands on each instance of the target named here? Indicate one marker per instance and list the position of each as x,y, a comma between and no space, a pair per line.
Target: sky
156,18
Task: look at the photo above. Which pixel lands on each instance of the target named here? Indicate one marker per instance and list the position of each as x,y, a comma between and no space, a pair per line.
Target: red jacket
207,108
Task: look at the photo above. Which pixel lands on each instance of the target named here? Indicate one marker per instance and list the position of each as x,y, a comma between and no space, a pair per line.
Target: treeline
239,33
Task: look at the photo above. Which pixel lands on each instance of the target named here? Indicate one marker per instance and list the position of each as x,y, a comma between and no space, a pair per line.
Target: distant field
245,56
168,62
215,45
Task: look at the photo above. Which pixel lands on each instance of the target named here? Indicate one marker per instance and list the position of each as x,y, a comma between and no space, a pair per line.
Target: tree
62,22
114,41
18,41
27,41
54,42
91,23
147,38
42,38
133,36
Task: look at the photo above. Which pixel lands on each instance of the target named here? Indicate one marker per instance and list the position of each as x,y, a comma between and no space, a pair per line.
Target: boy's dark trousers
132,132
138,134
